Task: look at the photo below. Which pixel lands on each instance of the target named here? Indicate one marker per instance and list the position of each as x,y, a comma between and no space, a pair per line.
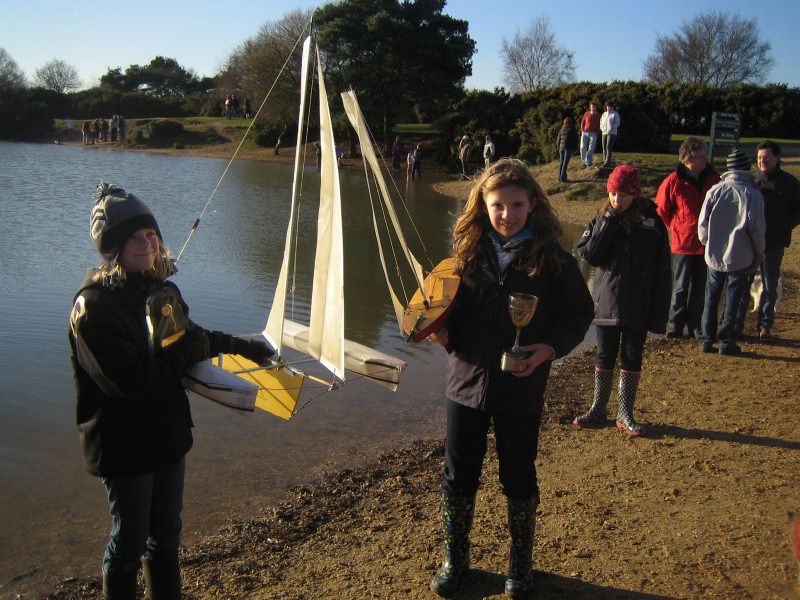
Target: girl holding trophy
516,282
627,243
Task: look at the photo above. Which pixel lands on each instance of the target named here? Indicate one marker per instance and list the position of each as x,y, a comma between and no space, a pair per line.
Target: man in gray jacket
731,227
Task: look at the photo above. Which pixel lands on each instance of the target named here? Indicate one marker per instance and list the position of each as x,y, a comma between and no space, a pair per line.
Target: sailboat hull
358,359
429,307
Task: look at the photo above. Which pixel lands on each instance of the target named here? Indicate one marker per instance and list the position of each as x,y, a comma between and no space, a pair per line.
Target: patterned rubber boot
457,512
521,525
603,382
628,384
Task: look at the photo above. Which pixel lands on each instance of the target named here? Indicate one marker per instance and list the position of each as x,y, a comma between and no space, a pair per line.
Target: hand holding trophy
521,308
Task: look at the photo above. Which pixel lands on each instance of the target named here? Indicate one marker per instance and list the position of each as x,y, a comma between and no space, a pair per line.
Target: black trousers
626,342
517,439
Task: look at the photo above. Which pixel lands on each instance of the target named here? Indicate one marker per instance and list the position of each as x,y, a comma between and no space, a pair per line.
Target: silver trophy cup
521,308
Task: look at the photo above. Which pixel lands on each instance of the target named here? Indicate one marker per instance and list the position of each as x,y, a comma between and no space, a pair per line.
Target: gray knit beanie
738,161
115,217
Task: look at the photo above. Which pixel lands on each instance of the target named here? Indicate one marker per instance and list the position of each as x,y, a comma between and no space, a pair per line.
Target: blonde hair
113,275
473,225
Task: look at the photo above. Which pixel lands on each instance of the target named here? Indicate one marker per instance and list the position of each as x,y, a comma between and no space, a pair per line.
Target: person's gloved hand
256,350
195,347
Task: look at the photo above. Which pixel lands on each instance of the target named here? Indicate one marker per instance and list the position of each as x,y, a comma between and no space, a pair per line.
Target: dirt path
701,508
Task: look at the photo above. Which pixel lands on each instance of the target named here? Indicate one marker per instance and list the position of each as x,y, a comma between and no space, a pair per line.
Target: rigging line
391,240
400,195
241,142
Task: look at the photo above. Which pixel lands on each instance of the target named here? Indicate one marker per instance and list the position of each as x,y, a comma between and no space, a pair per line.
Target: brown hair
473,225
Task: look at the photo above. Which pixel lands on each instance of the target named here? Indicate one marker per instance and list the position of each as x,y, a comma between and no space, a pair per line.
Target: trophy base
511,362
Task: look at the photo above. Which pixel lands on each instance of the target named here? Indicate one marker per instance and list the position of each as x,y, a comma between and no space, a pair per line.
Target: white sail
273,330
326,329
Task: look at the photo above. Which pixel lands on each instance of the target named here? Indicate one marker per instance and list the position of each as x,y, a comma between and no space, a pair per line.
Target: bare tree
57,76
713,49
11,76
253,67
533,59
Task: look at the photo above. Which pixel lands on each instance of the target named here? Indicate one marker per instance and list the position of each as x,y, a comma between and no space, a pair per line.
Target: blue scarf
513,247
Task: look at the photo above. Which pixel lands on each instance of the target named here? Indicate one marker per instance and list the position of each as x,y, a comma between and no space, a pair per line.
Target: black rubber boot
628,385
521,525
163,577
457,512
603,382
120,585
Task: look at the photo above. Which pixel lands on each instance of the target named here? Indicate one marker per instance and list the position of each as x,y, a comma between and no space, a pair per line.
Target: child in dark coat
628,245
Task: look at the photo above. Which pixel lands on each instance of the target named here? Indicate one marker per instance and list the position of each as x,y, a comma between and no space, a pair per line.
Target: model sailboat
236,382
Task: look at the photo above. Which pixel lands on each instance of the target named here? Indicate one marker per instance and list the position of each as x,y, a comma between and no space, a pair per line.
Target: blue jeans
517,439
608,145
770,273
588,144
563,161
735,285
688,291
145,517
625,341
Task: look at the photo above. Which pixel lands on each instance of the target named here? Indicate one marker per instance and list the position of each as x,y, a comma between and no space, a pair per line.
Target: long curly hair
473,225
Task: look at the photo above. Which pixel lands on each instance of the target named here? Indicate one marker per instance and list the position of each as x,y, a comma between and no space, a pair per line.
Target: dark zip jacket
132,411
480,329
632,280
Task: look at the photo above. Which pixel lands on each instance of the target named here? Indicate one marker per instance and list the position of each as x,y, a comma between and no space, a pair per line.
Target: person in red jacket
679,199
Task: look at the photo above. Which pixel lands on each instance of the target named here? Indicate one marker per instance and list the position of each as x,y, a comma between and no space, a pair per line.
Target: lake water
53,515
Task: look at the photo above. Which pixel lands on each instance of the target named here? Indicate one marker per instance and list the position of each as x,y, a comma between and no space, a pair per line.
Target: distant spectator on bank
609,126
114,127
465,147
410,162
86,132
679,199
417,168
234,106
590,131
731,226
123,125
488,151
68,128
104,129
567,143
228,107
339,154
781,193
398,149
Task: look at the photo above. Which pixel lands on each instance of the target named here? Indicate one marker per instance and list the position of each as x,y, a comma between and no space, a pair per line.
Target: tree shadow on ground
479,585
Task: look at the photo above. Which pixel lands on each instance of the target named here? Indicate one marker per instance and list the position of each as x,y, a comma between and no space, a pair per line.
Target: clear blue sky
610,39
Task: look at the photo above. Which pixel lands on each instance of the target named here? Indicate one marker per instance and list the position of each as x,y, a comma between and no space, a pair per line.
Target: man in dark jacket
781,193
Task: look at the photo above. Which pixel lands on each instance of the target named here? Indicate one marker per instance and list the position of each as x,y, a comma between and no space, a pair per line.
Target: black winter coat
633,279
480,328
132,411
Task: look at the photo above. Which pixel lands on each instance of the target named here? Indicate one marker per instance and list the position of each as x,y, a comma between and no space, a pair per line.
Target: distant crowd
100,130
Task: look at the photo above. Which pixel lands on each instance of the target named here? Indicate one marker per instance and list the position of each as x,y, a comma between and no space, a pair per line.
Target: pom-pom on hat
625,180
117,215
738,161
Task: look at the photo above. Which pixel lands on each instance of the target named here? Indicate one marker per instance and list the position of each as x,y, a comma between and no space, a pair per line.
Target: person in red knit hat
628,245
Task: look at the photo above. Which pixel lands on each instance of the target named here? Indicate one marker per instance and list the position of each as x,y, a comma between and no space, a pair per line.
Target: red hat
625,180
